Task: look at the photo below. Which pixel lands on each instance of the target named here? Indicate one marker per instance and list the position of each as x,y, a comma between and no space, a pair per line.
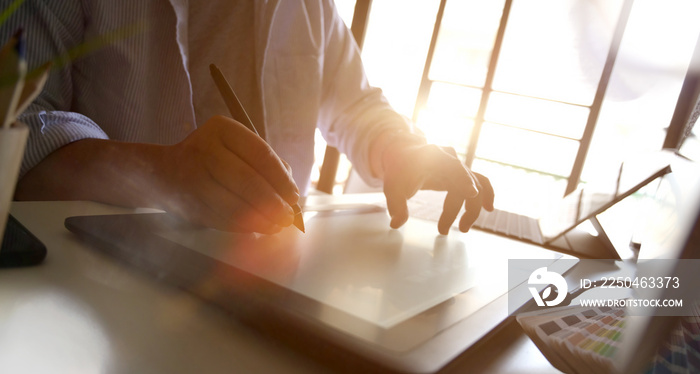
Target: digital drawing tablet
406,300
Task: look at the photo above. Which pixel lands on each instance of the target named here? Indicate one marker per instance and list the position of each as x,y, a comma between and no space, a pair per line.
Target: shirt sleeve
353,113
53,31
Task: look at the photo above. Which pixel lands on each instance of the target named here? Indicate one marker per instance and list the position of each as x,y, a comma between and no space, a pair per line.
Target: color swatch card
579,339
680,353
576,339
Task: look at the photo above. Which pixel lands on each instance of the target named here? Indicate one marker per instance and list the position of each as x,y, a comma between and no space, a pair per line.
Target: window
520,115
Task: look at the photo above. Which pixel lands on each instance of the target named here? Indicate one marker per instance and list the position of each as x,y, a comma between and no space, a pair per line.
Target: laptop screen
597,196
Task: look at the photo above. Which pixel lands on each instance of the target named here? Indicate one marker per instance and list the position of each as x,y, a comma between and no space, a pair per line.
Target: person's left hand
409,168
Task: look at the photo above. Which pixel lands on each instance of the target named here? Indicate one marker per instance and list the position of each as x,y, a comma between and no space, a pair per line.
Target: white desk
83,312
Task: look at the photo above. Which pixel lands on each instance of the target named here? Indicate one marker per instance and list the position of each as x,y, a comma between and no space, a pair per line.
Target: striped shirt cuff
49,131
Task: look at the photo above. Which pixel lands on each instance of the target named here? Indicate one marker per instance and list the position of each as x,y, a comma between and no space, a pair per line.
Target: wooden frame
331,158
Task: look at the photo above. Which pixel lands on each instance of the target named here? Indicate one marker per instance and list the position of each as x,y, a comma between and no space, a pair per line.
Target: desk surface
81,311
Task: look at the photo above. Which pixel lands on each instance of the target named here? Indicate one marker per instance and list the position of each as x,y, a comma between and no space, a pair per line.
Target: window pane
453,98
527,149
537,115
465,41
556,49
645,82
448,116
396,45
346,9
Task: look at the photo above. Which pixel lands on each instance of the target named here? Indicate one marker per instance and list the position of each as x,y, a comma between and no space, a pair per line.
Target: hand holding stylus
230,179
239,113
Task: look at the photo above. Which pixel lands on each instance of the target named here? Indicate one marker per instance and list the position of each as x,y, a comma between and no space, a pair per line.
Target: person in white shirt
130,116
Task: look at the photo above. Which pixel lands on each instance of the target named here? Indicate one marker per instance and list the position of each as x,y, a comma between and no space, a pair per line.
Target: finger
240,179
248,220
396,204
228,212
473,209
294,199
254,151
287,166
473,205
485,191
244,220
214,207
450,210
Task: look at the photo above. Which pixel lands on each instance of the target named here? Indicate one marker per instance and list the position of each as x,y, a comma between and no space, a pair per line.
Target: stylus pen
239,114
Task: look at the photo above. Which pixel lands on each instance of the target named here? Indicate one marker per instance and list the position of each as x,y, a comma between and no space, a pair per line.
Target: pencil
239,114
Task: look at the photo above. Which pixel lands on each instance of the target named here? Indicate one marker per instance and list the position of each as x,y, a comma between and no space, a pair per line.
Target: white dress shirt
134,81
